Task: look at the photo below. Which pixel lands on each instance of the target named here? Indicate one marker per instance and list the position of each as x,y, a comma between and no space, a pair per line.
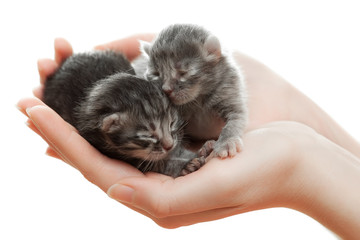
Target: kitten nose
167,89
167,145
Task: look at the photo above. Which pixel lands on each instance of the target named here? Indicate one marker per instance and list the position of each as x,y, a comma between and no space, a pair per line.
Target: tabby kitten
123,116
202,81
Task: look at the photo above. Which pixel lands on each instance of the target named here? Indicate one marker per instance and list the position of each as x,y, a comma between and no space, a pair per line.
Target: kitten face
182,79
136,118
183,57
147,139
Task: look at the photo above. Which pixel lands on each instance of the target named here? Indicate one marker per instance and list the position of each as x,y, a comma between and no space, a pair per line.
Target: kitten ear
113,122
212,46
145,47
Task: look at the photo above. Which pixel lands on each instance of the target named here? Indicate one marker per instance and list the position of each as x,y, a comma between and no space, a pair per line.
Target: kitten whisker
181,127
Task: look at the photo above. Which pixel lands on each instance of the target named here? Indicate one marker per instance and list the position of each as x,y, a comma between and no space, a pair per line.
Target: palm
255,176
267,92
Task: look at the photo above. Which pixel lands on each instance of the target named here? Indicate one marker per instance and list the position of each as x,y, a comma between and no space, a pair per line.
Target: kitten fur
123,116
202,80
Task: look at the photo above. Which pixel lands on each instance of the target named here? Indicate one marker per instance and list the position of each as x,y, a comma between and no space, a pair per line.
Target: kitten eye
152,74
155,73
144,136
182,73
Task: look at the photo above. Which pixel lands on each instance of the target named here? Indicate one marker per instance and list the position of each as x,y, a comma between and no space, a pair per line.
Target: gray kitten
123,116
200,79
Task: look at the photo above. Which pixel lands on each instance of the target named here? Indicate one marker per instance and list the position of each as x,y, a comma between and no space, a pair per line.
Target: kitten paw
207,148
228,147
193,166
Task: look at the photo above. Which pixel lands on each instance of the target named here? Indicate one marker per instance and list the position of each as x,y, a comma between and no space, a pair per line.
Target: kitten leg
193,165
228,147
229,142
196,163
181,162
207,148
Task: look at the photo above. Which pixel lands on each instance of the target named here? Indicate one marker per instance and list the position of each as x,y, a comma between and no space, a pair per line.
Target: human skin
178,202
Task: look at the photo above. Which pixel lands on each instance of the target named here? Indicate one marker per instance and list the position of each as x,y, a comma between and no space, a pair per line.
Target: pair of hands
253,179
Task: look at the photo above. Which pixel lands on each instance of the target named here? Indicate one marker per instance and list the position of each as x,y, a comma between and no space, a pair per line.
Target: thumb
166,197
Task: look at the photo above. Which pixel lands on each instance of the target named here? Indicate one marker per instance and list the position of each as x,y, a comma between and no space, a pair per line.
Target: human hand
254,179
258,175
263,175
284,164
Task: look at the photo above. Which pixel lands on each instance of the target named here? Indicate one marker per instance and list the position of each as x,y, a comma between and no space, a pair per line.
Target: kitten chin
184,96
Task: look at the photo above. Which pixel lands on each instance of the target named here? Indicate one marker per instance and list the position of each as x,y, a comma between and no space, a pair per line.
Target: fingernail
28,110
18,107
121,193
28,122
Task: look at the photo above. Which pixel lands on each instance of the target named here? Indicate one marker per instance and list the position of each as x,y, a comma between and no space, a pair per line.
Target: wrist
325,186
285,170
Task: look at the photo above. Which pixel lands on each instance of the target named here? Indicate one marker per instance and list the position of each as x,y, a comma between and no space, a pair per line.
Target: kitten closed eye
182,73
156,74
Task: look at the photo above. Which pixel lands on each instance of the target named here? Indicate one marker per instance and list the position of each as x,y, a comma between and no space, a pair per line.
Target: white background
313,44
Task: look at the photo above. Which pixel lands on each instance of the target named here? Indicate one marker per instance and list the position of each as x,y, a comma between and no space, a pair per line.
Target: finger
172,197
190,219
52,153
193,218
97,168
31,125
46,67
39,91
129,46
26,103
63,50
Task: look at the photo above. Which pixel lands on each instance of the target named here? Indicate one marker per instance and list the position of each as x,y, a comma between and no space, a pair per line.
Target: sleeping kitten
123,116
204,83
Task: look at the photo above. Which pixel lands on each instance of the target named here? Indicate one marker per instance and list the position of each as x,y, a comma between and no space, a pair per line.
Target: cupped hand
261,176
253,179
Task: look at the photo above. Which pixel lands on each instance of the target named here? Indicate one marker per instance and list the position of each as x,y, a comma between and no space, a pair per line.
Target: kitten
200,79
123,116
